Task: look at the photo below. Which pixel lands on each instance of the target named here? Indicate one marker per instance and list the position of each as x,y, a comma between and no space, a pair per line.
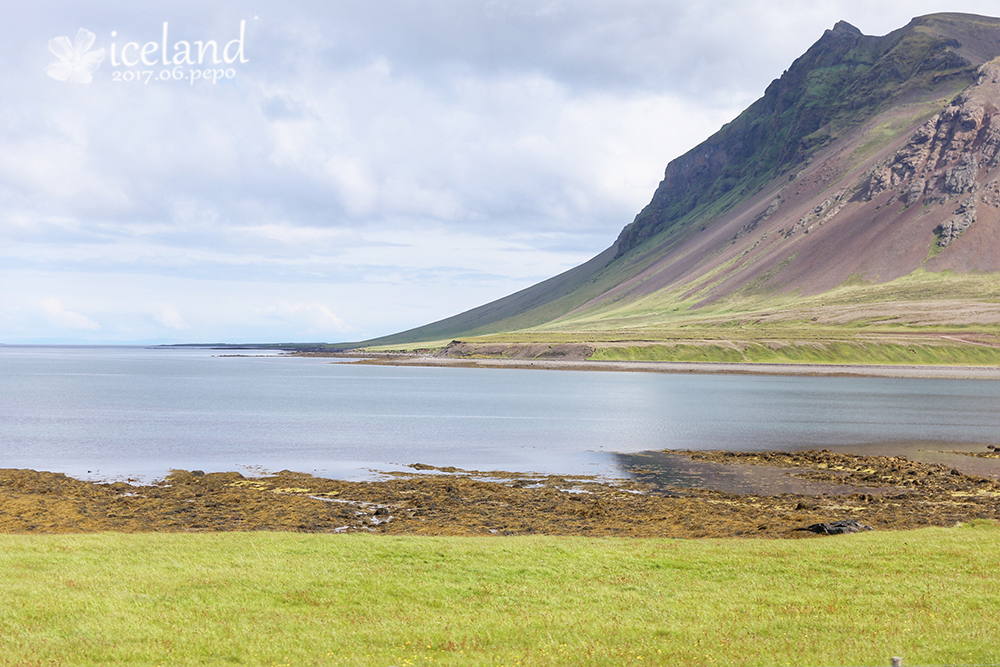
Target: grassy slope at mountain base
924,318
819,352
286,598
920,301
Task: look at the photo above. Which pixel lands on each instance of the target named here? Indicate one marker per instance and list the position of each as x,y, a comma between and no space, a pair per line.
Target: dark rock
962,177
951,229
915,191
837,528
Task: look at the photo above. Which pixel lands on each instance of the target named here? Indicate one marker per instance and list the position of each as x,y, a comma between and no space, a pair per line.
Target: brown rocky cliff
950,155
842,80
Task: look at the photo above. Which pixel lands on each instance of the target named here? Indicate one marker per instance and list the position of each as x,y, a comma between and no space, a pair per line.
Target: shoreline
742,368
884,492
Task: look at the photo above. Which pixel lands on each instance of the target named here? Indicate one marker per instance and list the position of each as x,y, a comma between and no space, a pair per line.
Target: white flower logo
75,65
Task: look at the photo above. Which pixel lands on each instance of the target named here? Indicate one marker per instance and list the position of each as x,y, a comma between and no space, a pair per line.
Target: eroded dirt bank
896,494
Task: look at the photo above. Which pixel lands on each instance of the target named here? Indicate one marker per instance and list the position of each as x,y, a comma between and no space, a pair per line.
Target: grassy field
931,596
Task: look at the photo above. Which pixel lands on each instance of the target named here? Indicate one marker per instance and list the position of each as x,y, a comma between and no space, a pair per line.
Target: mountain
856,203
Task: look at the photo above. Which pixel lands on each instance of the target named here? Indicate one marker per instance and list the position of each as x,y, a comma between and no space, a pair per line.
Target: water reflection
134,411
670,471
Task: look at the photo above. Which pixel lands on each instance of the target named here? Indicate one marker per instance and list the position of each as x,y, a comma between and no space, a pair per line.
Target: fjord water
132,411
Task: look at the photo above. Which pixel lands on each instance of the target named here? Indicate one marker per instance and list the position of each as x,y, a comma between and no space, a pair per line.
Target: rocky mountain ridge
839,80
869,160
952,154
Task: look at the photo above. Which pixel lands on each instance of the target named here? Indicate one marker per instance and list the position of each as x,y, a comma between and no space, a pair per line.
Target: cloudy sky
350,168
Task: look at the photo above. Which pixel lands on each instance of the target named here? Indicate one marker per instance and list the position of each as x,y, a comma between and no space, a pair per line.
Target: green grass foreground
931,596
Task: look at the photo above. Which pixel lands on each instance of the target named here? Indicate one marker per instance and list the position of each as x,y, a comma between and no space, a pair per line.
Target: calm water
132,411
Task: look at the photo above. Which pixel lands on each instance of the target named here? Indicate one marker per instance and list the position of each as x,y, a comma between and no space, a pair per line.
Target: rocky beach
883,492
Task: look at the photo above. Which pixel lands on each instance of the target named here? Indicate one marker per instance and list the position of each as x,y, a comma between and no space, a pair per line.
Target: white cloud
168,317
62,318
309,318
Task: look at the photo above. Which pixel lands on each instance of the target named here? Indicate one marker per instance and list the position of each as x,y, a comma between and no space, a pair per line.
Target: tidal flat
794,490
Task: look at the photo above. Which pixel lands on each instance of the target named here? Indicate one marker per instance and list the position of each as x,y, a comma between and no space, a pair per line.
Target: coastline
749,368
883,492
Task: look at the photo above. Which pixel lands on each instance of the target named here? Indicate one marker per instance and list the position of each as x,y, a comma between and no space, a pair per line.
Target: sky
337,170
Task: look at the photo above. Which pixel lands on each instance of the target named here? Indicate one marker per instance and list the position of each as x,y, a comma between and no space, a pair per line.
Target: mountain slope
866,173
